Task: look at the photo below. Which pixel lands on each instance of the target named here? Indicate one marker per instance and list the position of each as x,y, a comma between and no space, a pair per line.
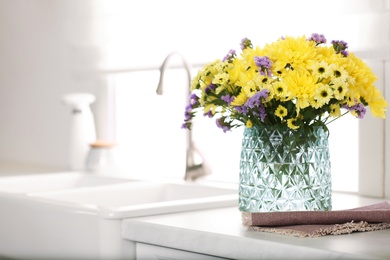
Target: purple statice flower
242,110
228,99
255,100
194,99
264,64
188,114
262,113
222,124
210,88
359,109
230,56
186,125
208,114
318,38
340,47
255,105
344,53
246,43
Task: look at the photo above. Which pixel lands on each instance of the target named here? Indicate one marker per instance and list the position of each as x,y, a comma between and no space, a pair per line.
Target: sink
54,181
141,198
79,216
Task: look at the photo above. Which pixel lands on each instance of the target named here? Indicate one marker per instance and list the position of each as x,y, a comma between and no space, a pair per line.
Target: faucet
195,167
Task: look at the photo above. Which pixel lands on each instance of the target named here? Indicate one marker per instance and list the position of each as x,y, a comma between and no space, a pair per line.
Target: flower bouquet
296,81
284,94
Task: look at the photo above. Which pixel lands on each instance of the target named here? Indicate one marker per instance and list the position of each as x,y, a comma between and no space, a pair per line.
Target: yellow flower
249,123
322,95
240,99
281,111
376,102
297,52
292,123
335,111
209,108
302,87
340,87
321,69
338,72
221,78
280,90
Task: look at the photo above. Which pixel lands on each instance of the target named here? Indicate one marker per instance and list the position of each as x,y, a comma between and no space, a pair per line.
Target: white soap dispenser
82,128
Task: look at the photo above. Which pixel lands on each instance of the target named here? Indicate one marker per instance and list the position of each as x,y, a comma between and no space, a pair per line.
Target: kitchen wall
45,48
52,47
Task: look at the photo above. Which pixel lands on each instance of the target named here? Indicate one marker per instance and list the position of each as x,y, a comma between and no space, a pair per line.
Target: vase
285,170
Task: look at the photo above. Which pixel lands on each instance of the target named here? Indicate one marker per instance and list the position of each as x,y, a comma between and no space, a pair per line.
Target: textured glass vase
285,170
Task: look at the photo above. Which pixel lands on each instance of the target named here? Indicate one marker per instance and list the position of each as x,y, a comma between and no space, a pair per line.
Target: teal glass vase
285,170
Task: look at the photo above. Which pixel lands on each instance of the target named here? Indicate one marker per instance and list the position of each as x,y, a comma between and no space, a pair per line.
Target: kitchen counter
219,232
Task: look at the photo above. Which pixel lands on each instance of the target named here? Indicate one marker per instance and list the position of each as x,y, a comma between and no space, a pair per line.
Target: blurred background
114,49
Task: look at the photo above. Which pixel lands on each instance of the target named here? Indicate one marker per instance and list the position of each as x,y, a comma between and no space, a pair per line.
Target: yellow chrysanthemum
280,90
281,111
335,111
351,98
221,79
340,87
210,108
376,102
321,70
322,95
249,123
337,72
292,123
240,99
302,87
298,53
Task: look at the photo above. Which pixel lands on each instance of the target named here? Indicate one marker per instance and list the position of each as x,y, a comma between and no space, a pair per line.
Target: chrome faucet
195,167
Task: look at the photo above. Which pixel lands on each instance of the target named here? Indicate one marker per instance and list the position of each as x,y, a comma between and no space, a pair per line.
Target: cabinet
152,252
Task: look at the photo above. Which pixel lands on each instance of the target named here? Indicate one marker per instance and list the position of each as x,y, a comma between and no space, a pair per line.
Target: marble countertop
219,232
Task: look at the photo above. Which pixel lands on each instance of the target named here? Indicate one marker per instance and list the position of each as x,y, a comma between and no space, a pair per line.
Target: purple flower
255,99
318,38
340,47
245,43
231,55
359,109
264,64
209,88
242,110
228,99
186,125
262,113
344,53
188,114
194,99
208,114
222,124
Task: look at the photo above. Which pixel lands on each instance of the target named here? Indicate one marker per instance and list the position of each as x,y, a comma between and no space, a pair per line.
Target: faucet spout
195,167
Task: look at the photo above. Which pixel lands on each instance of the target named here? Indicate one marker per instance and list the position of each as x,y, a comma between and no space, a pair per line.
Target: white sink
79,216
54,181
141,198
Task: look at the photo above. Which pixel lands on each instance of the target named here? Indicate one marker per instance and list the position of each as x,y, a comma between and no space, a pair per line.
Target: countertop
219,232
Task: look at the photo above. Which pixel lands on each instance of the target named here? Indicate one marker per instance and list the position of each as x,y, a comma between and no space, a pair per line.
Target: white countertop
219,232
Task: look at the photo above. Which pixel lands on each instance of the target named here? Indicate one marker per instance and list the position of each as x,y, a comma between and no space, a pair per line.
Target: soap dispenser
82,130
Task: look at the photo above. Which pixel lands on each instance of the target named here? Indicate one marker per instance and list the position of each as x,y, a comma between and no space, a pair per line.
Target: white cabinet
152,252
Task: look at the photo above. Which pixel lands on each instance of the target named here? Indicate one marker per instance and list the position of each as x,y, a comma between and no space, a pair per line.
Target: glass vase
285,170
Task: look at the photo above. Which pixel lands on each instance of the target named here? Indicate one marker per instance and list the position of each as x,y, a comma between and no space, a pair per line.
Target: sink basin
142,198
79,216
54,181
